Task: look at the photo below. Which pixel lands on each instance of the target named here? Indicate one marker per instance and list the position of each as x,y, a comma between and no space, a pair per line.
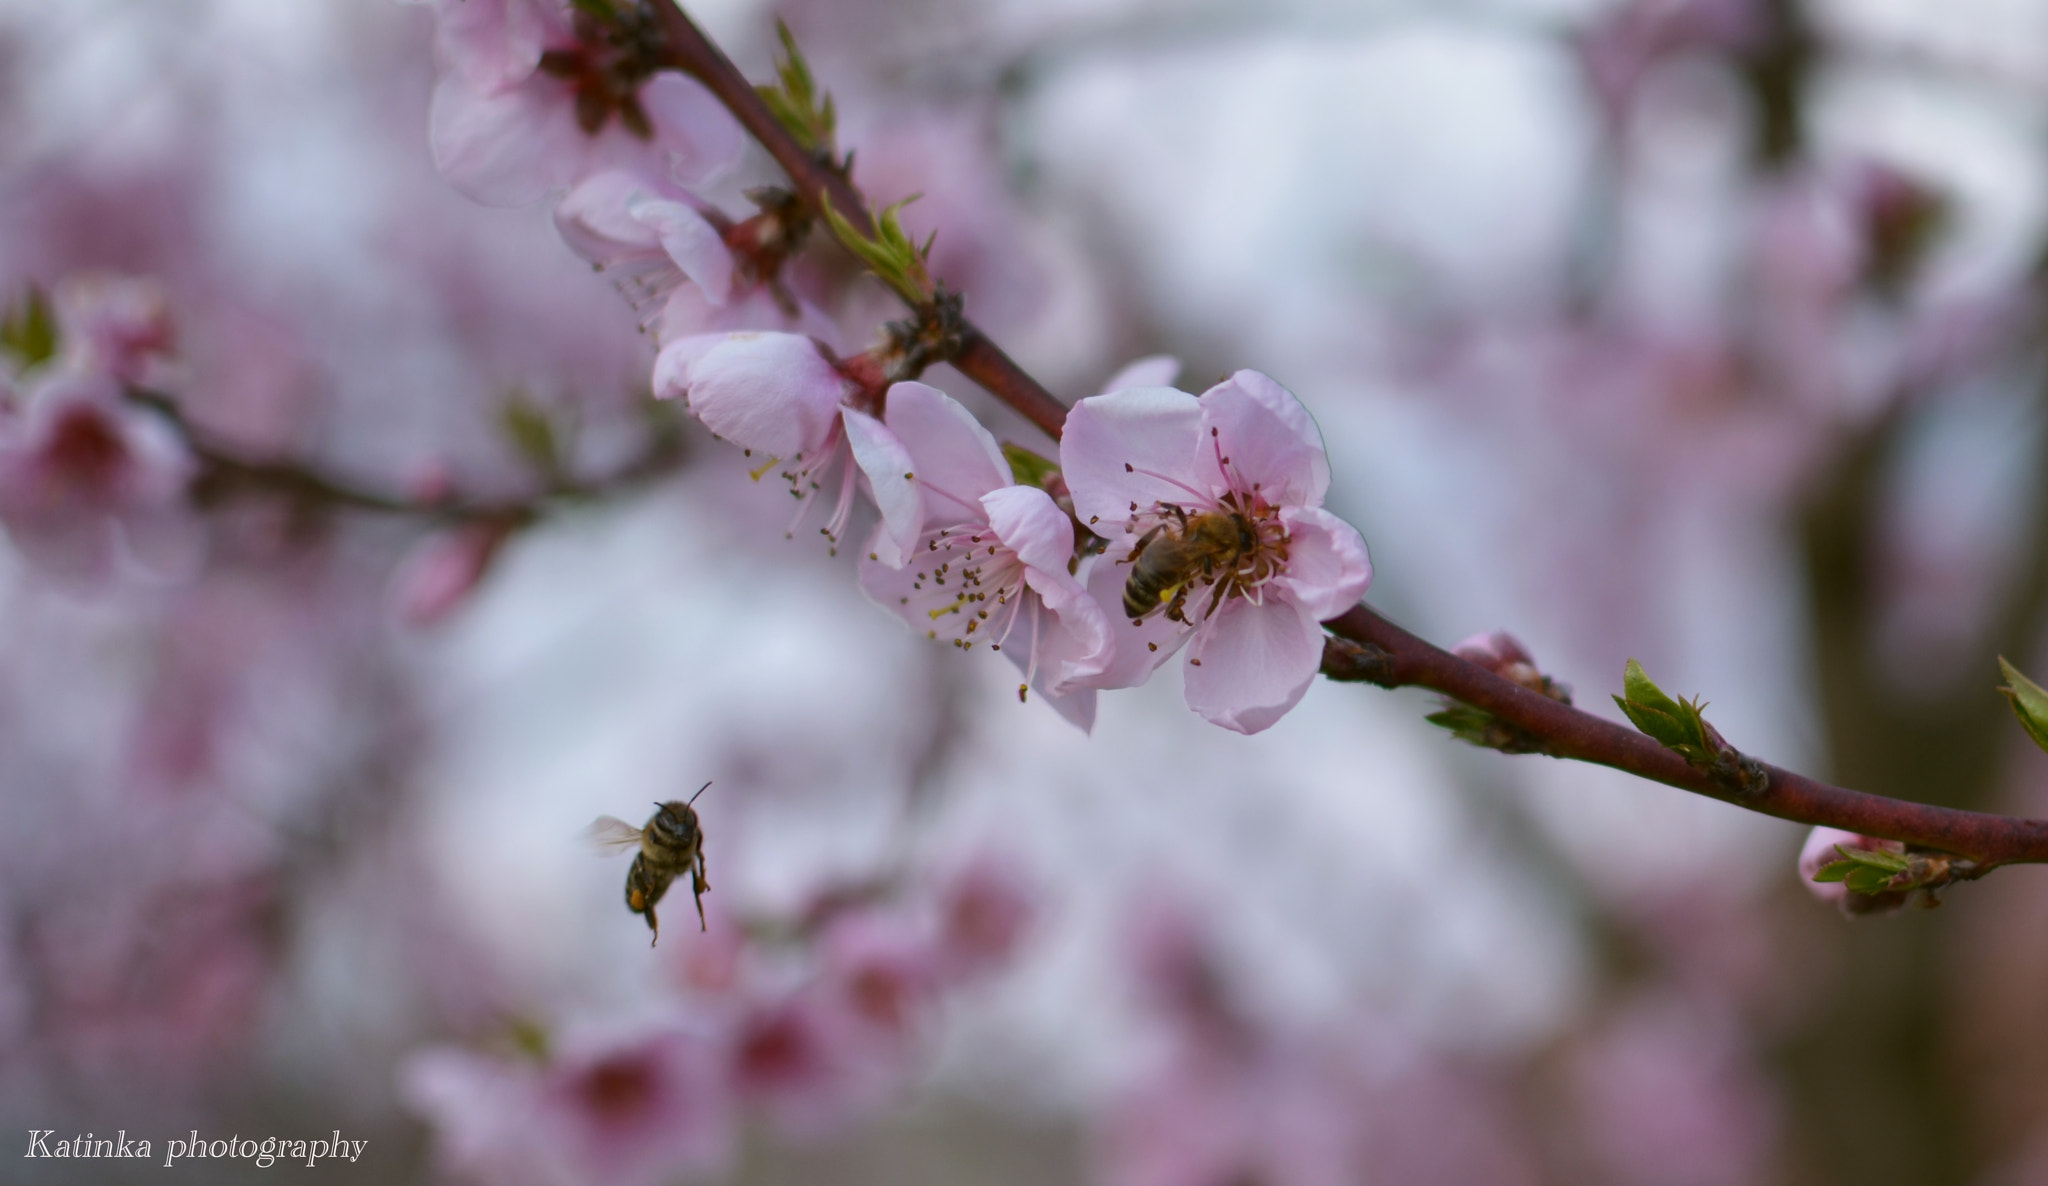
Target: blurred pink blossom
442,570
648,235
985,911
83,471
117,324
1146,459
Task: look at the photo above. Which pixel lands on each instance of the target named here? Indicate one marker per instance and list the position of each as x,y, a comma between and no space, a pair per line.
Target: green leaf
889,254
1865,880
1027,467
2029,702
532,434
28,330
1836,871
796,103
1875,858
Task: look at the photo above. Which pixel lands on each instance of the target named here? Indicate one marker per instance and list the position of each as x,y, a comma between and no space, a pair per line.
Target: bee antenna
700,790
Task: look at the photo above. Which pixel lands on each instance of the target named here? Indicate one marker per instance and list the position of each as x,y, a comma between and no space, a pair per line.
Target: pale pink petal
690,240
1327,565
1032,525
1080,643
594,221
957,460
1157,370
507,148
1137,650
1140,446
491,44
773,394
1266,439
930,603
702,138
1251,663
887,464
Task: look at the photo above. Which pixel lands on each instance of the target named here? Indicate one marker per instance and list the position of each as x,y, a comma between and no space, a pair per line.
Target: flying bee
1170,557
670,845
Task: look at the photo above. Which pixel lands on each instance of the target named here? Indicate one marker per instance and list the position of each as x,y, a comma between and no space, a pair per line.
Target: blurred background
1705,333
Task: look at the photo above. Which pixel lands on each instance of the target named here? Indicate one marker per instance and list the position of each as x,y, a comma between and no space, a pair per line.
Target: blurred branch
224,473
1373,650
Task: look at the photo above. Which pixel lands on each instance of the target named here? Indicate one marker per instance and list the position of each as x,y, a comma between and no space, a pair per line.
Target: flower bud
1820,851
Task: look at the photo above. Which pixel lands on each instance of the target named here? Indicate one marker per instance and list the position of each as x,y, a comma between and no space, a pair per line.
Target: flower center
1202,555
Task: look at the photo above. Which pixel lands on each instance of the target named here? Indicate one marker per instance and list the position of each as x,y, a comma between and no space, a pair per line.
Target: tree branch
1381,652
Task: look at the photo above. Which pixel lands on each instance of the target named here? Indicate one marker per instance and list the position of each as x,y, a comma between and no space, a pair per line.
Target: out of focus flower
444,568
633,1109
985,909
882,977
1504,655
965,554
117,324
534,98
647,235
792,1059
1819,851
777,397
83,471
1143,463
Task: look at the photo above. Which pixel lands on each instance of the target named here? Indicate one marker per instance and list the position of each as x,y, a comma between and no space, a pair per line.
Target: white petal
1328,569
1251,663
1132,446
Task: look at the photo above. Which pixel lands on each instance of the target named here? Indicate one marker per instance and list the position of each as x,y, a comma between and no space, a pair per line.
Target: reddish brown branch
815,180
1385,654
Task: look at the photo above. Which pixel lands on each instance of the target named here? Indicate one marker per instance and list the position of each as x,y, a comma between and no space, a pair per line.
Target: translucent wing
609,834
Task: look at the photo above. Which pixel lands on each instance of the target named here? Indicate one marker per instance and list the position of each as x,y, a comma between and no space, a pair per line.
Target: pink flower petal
506,148
1251,663
1327,565
888,465
1157,370
491,44
1140,446
1136,651
689,240
702,138
594,221
1268,438
1081,644
957,460
1032,525
773,394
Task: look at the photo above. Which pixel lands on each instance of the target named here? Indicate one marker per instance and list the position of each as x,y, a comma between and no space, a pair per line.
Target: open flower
533,98
966,555
1212,506
82,470
648,235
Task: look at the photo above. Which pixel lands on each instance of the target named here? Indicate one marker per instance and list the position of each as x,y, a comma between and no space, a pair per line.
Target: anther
1021,689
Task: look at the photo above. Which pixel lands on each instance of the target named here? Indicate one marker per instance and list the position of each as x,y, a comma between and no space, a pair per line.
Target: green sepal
796,103
28,330
891,254
1471,725
1028,468
2029,702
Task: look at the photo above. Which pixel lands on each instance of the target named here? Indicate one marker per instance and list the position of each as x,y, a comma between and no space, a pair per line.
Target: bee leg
700,884
653,924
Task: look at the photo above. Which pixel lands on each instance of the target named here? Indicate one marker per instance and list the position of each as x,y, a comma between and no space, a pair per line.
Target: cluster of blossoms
1170,519
811,1024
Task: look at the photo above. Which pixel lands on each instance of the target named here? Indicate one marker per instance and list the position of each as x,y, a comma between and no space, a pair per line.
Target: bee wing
609,834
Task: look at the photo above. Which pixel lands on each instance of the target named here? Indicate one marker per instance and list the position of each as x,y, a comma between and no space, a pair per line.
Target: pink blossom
118,324
636,1109
985,911
444,568
648,235
84,471
778,398
1819,851
791,1057
966,555
1144,461
881,977
506,129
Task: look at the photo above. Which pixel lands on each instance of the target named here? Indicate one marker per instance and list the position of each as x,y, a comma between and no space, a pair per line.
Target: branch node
1358,662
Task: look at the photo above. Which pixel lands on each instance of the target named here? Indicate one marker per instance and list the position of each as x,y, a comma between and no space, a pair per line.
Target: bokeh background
1705,333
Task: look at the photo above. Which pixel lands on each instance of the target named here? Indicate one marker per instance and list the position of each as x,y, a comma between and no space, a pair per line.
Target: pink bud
444,568
1504,655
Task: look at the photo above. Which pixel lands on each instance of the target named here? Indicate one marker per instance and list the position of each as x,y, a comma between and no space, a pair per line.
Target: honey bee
670,845
1169,558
